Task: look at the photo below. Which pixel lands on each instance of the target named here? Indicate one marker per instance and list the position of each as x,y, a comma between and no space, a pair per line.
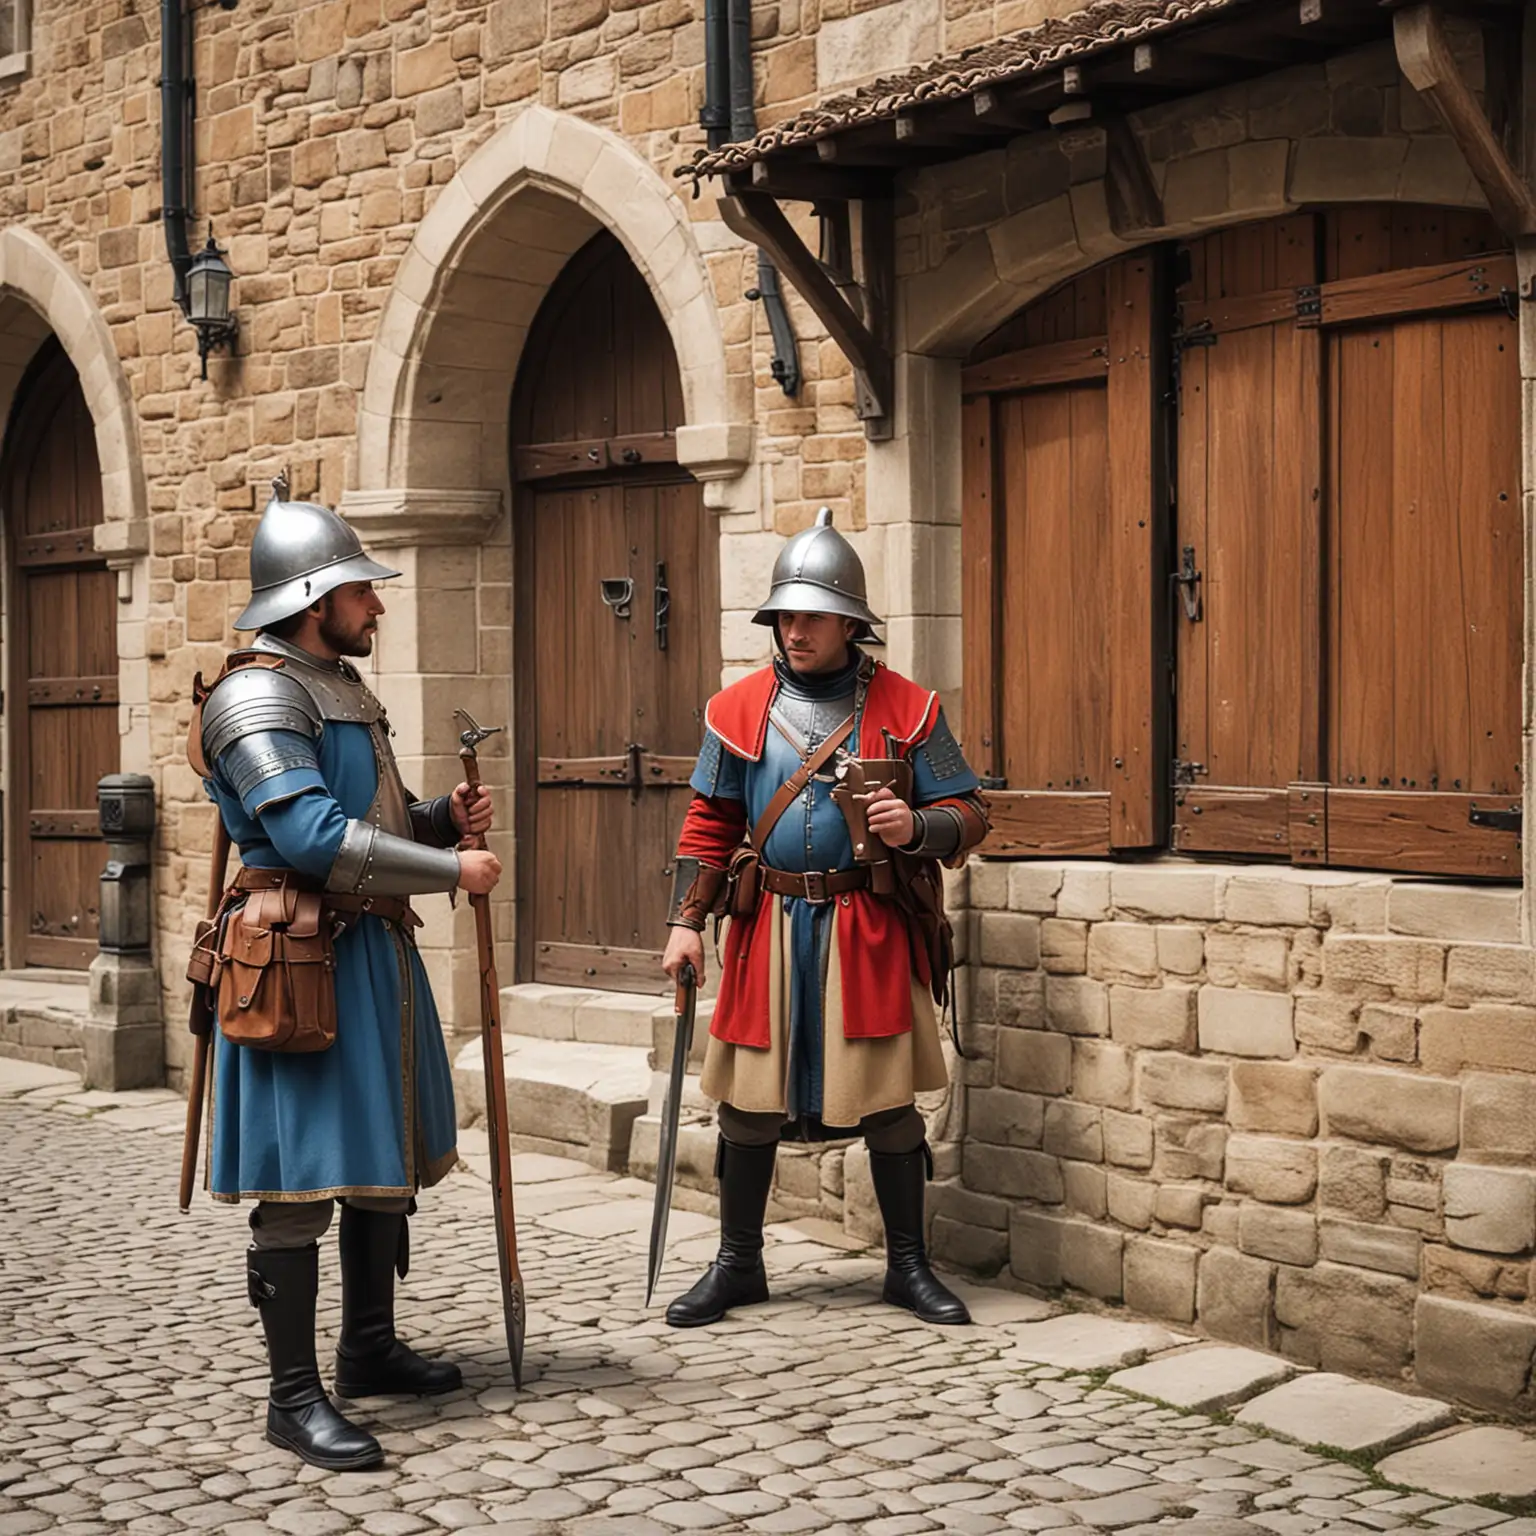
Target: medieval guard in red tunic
827,792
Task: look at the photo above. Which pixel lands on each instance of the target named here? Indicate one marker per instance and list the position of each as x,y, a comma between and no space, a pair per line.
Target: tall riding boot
370,1360
736,1278
283,1283
899,1179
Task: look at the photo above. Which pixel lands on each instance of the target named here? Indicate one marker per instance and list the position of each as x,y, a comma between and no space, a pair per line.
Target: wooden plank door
622,684
1061,540
62,672
1248,534
1425,597
619,626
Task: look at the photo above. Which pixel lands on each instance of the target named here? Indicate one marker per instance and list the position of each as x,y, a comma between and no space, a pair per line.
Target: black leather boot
736,1278
300,1418
899,1179
370,1360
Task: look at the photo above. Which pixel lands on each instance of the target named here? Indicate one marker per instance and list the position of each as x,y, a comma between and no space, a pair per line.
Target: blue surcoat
373,1114
812,834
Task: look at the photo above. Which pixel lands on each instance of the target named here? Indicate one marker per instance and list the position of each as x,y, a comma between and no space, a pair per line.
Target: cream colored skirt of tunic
860,1077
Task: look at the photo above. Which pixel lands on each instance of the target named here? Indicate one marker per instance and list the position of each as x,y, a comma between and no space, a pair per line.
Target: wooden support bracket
1425,60
1134,203
756,217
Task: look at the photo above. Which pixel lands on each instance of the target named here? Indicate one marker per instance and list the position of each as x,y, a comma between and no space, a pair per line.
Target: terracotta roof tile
1105,24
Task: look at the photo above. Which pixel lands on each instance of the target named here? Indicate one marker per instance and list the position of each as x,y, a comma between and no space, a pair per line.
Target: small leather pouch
276,973
741,883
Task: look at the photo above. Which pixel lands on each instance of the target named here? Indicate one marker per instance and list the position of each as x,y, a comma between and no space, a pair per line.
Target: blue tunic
373,1114
812,835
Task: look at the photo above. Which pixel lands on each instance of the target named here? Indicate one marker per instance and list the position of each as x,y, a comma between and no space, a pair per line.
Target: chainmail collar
820,685
807,709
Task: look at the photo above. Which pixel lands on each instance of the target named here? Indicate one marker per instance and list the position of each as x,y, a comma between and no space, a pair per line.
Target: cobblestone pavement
132,1382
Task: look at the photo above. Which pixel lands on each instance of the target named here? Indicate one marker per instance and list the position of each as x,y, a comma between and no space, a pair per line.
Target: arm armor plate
241,722
256,699
697,890
371,862
938,834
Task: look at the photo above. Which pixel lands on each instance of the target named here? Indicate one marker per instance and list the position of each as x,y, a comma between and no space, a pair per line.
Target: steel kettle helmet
300,552
819,572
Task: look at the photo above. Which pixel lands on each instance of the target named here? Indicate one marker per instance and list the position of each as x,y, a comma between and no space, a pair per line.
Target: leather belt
393,909
814,886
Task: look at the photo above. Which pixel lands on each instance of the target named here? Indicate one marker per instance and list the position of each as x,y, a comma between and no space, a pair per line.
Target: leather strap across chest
792,788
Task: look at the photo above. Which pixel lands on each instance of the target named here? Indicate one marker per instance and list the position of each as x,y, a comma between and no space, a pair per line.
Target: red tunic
877,953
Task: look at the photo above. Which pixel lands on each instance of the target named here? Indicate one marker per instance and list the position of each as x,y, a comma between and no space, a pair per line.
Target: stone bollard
124,1035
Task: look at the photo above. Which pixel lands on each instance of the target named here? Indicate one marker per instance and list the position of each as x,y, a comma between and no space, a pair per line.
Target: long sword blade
666,1155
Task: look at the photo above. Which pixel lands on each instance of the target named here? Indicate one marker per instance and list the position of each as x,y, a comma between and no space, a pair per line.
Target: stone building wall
1296,1109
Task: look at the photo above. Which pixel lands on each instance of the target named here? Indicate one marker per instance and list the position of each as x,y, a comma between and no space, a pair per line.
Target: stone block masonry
1333,1161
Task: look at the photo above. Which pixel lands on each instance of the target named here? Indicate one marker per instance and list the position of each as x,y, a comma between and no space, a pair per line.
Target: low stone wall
1293,1109
47,1036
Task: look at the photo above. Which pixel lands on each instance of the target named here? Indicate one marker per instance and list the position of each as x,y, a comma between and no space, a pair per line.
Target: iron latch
1187,580
663,602
1496,821
992,781
1201,334
1184,773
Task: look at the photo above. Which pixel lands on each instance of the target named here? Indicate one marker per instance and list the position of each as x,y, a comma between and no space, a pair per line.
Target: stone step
697,1140
568,1098
587,1014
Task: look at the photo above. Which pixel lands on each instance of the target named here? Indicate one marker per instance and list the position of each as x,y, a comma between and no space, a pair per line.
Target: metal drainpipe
715,115
743,124
175,136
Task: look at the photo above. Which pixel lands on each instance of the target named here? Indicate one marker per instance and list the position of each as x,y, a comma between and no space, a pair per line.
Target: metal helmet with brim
818,571
300,552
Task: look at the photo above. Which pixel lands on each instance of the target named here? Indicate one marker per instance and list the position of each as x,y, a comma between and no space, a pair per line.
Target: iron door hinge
1309,305
1509,820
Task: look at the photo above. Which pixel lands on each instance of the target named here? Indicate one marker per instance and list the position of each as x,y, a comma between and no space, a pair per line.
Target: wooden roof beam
756,217
1426,62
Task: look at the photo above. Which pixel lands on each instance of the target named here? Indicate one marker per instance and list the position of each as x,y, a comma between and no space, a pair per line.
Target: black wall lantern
207,301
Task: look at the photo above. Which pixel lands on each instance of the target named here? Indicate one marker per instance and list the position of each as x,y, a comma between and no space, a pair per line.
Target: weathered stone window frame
19,60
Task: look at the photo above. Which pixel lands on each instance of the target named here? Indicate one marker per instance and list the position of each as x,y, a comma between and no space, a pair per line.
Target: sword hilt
687,981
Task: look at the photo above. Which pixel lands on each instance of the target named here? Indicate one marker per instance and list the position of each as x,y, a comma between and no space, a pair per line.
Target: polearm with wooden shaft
498,1127
200,1022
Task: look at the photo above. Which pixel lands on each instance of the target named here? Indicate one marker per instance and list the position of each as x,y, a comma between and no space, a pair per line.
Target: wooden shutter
1426,592
1249,513
1351,697
1062,576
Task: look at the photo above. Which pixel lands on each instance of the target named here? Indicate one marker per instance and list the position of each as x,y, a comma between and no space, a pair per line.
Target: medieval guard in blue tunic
828,790
300,766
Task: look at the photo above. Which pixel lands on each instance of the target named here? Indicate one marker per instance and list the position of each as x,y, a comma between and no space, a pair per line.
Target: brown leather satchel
276,972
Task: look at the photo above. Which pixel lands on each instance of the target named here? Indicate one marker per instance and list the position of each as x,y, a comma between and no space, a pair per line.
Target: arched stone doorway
432,481
61,667
617,626
77,703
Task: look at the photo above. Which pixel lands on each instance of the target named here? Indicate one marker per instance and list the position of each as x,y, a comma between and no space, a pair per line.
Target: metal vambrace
937,833
375,863
697,892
